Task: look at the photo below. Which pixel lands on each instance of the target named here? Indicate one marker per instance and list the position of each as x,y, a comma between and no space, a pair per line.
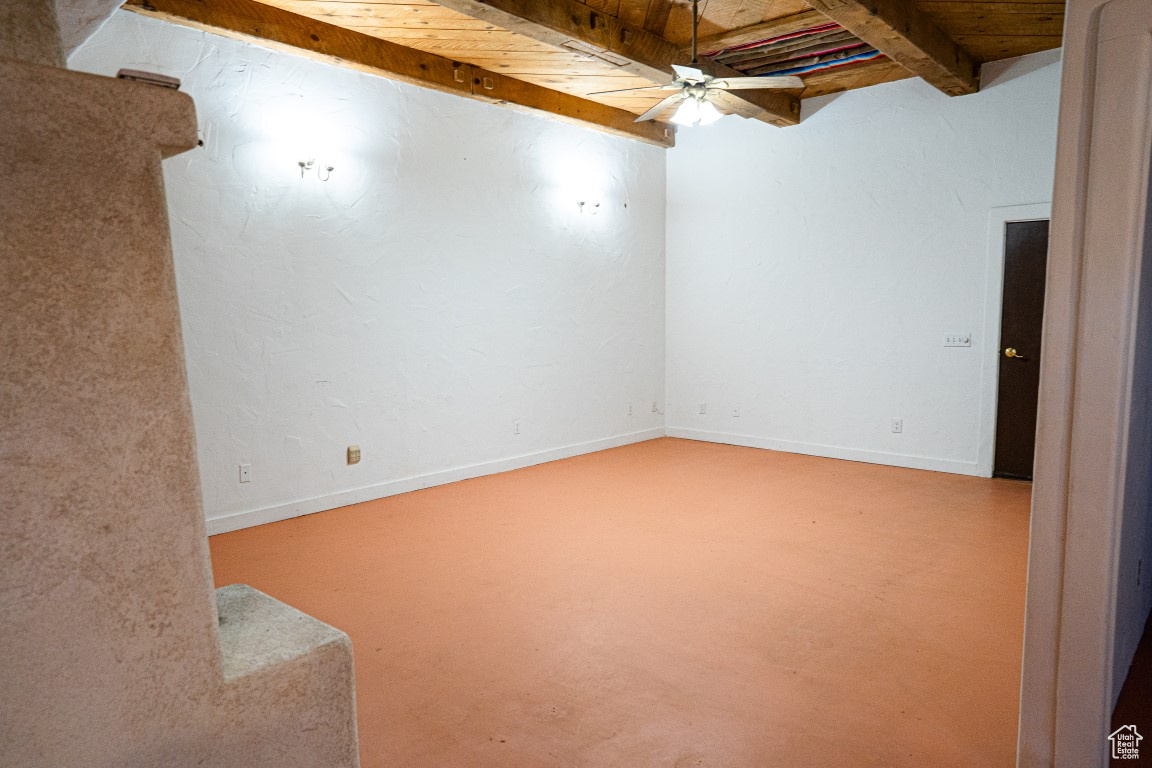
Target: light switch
957,339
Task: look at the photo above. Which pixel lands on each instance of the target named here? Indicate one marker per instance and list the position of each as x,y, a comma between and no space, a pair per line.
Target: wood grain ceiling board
763,30
861,75
719,16
672,19
610,7
986,29
657,16
279,29
429,27
991,30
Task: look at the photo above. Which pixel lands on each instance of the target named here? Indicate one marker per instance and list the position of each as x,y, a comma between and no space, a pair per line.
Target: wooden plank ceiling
549,55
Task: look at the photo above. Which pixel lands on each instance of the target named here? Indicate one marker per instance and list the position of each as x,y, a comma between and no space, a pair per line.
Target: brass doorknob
1011,352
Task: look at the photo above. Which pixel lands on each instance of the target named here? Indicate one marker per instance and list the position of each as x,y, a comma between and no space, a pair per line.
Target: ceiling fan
697,94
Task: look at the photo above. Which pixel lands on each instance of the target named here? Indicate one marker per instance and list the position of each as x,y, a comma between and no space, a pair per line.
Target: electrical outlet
629,409
353,454
735,413
957,339
897,425
703,408
245,473
516,427
655,407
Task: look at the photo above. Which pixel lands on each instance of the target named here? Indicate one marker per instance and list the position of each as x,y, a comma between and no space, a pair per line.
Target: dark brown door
1025,261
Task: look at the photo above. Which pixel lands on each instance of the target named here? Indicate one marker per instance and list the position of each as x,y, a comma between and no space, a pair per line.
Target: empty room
592,383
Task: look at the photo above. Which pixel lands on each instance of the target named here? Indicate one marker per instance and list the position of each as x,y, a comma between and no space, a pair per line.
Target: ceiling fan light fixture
708,113
692,90
687,114
695,111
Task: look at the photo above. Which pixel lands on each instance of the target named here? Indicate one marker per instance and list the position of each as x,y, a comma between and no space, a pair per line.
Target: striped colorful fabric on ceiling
826,46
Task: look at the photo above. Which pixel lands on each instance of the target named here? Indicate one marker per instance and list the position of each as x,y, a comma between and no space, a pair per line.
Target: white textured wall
813,271
80,19
441,286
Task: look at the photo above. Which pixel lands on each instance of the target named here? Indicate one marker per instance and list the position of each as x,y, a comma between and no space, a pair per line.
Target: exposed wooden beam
275,28
657,18
576,26
898,29
785,25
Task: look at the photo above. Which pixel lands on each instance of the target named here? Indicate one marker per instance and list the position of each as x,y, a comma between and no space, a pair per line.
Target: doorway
1021,321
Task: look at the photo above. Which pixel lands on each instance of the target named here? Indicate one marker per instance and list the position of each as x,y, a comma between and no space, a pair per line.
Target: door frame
1083,489
998,220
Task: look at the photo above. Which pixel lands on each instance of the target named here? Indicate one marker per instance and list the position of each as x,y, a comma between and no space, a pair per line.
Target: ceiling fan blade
669,87
690,73
733,104
663,105
752,83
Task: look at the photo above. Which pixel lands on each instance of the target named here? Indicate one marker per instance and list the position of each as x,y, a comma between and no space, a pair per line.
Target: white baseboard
246,519
237,520
828,451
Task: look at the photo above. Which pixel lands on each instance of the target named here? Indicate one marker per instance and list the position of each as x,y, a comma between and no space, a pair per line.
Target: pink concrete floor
671,603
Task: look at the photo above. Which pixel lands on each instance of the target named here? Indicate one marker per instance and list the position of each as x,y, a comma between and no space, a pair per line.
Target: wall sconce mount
322,172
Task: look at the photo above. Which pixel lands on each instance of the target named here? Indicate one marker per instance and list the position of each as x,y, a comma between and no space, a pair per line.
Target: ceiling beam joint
905,34
635,50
